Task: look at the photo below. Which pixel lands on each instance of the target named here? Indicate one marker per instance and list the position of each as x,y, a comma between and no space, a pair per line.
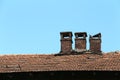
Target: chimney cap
81,34
97,35
66,33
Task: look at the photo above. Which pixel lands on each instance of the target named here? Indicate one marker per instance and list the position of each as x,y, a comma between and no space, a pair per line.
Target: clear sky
33,26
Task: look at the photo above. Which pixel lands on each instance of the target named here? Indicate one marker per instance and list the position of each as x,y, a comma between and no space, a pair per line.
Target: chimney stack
66,42
80,41
95,43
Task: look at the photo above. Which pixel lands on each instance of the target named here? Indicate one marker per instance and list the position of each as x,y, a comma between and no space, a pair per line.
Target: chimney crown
80,34
65,35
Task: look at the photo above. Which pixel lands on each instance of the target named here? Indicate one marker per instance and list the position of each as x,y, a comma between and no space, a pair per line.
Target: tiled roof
83,62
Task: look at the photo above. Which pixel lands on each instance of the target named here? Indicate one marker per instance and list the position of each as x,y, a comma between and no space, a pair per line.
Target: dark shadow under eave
62,75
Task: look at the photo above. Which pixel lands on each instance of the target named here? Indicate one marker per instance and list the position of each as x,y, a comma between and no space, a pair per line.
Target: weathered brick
66,42
80,40
95,43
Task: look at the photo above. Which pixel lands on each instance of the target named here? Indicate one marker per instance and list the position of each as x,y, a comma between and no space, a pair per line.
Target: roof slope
87,62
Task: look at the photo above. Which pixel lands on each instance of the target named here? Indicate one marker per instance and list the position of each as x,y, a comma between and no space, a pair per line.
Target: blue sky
33,26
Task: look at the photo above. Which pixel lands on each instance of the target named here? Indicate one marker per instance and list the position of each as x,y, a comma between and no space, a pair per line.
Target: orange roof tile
83,62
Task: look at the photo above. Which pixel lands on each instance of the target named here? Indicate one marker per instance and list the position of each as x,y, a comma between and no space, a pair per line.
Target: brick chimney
66,42
95,43
80,41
